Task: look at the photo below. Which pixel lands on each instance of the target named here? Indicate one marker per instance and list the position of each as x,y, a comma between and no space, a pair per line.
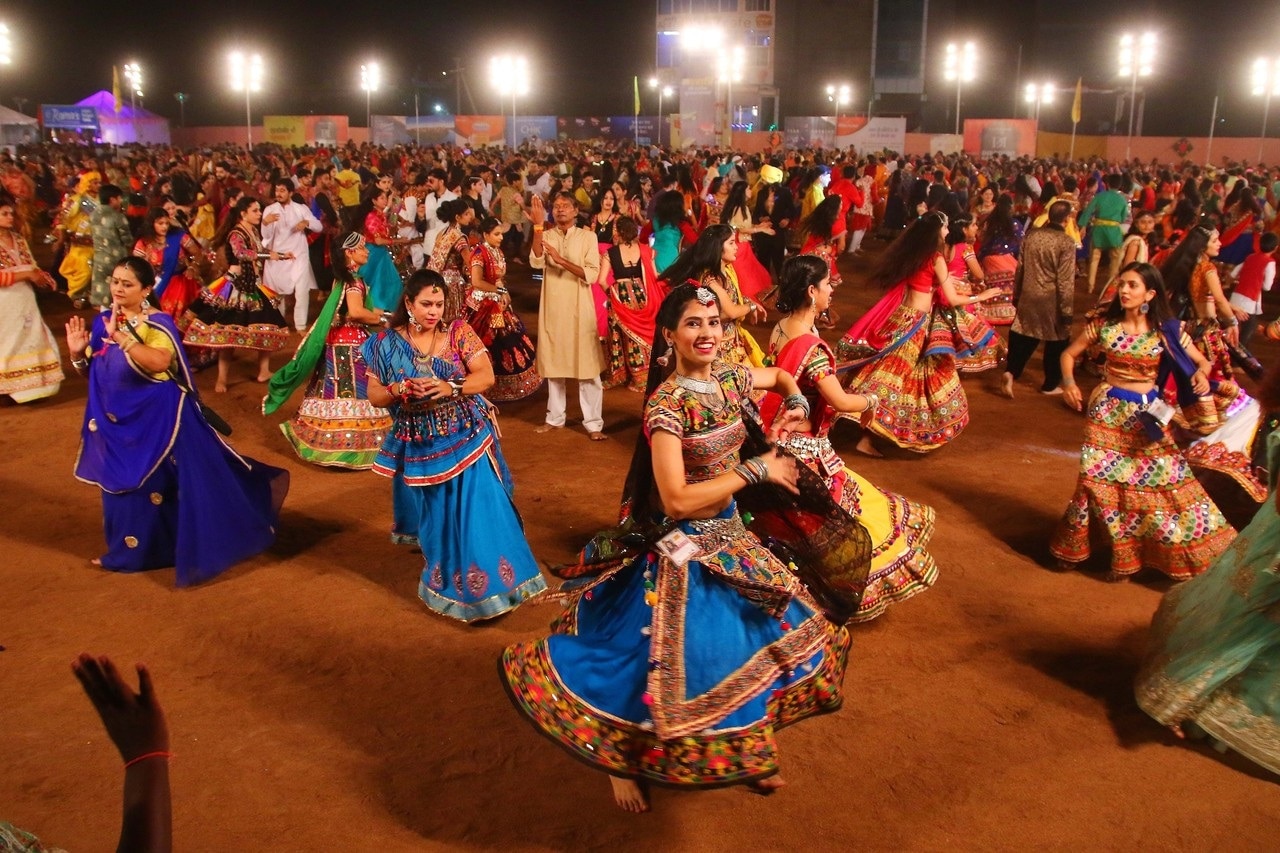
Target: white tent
17,128
128,125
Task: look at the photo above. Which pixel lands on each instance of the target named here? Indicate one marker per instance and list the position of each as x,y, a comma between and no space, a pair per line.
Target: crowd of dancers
721,606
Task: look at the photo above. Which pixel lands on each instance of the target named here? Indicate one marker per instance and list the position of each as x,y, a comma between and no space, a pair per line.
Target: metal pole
1213,124
1133,96
1017,83
248,118
368,114
417,122
659,116
1266,108
514,140
958,84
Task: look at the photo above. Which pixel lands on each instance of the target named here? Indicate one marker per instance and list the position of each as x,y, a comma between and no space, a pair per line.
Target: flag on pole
635,84
1075,105
115,89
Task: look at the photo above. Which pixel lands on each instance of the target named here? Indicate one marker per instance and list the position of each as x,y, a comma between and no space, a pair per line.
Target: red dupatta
643,322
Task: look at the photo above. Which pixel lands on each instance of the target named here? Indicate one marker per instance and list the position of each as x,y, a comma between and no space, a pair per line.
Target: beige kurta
568,338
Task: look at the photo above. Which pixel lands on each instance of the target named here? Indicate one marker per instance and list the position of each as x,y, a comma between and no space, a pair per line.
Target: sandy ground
315,704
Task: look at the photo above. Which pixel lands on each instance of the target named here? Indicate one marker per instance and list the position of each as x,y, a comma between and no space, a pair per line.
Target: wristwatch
456,385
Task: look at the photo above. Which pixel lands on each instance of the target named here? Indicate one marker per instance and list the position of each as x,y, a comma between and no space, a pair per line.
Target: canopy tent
128,125
17,128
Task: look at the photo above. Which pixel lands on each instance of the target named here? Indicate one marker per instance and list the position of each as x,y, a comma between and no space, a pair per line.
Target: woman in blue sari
451,490
1213,664
145,442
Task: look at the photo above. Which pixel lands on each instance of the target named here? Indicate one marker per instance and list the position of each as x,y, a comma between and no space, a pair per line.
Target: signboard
880,133
479,130
70,117
304,130
995,137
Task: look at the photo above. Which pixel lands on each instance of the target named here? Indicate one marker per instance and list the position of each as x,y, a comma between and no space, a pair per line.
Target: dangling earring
1144,308
413,321
665,358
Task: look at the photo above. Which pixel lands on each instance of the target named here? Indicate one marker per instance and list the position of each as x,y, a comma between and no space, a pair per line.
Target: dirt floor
315,704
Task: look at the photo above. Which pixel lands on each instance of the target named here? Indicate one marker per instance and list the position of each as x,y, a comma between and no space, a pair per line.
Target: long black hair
639,494
822,221
909,252
704,256
1159,309
735,201
1178,268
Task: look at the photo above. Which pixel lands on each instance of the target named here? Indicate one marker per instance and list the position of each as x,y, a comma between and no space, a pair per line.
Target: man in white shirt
436,193
284,227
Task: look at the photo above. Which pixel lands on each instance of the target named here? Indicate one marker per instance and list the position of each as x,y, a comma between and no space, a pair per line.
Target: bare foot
97,561
1064,566
866,448
263,378
629,795
1115,577
766,786
219,388
546,428
1176,728
597,436
1006,385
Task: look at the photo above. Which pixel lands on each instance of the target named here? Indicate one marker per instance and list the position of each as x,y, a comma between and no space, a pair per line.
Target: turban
770,174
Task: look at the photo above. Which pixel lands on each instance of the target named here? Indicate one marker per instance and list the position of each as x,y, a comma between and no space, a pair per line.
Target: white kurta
292,276
433,224
568,338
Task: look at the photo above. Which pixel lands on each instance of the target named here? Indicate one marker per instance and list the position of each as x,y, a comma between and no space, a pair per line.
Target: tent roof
106,107
9,117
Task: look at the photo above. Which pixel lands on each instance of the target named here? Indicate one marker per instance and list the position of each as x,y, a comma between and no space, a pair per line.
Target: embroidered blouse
710,437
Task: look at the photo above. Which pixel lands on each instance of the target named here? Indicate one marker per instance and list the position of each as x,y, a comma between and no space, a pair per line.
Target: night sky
583,54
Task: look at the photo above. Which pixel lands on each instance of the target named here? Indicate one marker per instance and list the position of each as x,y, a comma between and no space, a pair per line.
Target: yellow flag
1075,105
635,83
115,88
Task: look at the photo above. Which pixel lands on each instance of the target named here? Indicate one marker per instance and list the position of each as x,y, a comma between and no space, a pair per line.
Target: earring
413,321
665,358
1144,308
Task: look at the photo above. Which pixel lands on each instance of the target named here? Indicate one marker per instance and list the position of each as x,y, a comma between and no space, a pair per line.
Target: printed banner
995,137
70,117
305,130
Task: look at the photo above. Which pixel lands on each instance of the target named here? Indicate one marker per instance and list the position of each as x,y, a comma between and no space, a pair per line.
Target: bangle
80,363
538,228
753,470
796,401
158,754
456,385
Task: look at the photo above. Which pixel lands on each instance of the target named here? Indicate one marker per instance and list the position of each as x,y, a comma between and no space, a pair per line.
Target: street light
1266,82
961,65
182,98
510,76
729,70
1136,57
370,79
246,75
6,45
1039,93
133,76
663,92
840,95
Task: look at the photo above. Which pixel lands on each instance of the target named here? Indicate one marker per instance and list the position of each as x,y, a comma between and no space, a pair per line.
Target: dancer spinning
709,263
900,529
1212,665
451,490
904,349
173,492
336,425
1134,482
678,667
628,275
234,312
489,313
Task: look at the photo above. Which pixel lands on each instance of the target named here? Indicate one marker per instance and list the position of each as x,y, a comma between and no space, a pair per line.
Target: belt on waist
1107,222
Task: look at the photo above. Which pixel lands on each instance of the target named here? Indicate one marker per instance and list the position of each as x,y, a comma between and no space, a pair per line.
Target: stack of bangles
81,363
753,470
873,402
796,401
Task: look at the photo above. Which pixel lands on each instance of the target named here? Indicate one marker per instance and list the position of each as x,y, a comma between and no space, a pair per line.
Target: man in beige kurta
568,338
1043,291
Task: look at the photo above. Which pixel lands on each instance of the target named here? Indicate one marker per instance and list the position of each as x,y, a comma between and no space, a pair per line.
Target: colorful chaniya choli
900,529
515,374
451,489
682,674
336,425
1140,491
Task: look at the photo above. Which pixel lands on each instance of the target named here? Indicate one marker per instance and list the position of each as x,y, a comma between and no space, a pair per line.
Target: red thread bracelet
160,754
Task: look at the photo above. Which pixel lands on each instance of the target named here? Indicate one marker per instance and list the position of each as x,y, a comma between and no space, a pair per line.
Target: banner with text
994,137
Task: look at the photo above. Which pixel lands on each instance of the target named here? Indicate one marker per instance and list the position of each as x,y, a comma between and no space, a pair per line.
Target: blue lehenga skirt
477,562
681,675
